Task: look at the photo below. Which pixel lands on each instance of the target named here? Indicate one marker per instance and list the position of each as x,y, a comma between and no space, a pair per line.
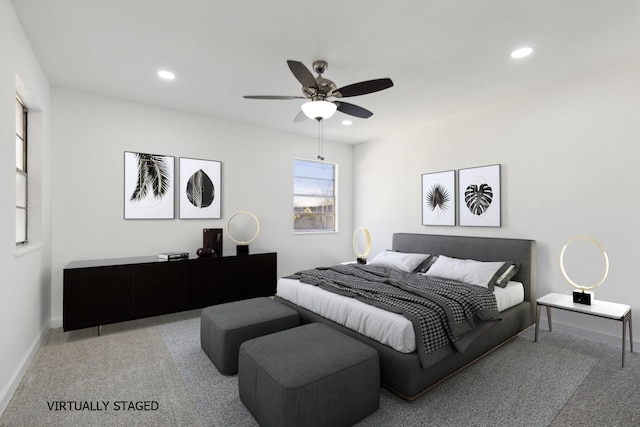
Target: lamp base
242,249
361,260
582,297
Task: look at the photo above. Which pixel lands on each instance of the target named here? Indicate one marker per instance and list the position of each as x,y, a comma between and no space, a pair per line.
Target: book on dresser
173,255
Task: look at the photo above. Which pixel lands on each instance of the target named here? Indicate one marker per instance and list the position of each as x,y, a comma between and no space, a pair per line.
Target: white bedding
388,328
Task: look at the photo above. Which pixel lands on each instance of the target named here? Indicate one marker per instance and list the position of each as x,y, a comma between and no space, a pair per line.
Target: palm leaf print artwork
154,177
438,199
200,190
478,198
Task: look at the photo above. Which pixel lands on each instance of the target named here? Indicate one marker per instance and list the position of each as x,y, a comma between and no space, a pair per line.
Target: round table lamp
581,296
361,257
242,247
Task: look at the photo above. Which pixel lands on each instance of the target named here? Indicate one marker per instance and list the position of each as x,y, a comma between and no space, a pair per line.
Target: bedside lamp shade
361,256
580,296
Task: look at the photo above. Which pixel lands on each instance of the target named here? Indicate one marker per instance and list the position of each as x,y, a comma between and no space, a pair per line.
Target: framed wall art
148,186
200,190
479,196
439,198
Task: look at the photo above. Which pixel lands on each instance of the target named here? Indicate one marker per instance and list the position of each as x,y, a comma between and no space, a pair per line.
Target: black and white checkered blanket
441,311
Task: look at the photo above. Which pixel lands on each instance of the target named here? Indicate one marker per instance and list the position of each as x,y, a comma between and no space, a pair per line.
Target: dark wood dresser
99,292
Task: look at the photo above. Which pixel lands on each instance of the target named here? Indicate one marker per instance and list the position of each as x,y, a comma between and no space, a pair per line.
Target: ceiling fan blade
354,110
272,97
303,74
363,88
301,117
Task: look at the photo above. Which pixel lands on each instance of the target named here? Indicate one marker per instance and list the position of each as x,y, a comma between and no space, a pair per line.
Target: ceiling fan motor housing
325,89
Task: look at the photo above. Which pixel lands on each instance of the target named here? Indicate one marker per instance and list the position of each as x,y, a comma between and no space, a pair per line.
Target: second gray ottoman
311,375
224,327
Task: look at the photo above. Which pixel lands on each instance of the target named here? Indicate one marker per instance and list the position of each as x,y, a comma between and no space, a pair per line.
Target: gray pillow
506,273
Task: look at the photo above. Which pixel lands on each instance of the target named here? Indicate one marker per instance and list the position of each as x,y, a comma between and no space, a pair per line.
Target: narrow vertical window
21,172
314,196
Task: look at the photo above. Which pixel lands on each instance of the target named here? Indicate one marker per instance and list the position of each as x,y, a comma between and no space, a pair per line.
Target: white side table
608,310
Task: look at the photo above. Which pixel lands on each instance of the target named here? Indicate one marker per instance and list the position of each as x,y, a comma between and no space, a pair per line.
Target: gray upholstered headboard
478,248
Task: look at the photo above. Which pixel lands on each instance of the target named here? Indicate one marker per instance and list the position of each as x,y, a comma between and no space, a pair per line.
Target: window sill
27,249
316,232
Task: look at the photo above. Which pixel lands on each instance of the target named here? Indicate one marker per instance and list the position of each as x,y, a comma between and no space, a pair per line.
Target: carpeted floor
125,377
560,381
609,395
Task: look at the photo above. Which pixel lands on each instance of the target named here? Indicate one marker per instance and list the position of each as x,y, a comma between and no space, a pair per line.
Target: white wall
91,134
569,157
25,284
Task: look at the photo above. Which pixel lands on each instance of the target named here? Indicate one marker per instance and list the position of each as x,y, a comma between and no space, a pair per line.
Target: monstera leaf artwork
200,190
479,197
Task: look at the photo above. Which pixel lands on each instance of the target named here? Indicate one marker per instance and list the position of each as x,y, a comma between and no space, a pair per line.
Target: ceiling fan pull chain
320,139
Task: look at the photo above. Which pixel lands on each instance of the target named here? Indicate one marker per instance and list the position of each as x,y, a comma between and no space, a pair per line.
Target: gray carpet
610,395
560,381
522,384
125,364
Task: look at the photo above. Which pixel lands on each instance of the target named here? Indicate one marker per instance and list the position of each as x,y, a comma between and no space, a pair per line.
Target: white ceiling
443,56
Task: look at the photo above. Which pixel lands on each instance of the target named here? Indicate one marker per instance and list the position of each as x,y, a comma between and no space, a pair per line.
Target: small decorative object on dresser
211,243
173,255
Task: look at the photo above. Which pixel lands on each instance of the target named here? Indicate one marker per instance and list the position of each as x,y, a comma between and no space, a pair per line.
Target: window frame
333,198
22,171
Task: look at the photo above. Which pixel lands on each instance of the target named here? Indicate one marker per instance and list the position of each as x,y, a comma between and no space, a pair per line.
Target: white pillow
466,270
398,260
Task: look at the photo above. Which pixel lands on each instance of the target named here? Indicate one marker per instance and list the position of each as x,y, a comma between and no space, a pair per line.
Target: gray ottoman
311,375
224,327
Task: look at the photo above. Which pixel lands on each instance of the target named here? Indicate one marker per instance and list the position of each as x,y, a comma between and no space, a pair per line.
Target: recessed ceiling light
167,75
347,122
522,52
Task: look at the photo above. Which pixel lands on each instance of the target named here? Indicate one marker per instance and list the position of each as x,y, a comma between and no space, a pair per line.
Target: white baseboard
7,392
56,323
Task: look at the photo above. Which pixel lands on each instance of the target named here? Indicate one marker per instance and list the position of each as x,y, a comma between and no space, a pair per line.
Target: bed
404,372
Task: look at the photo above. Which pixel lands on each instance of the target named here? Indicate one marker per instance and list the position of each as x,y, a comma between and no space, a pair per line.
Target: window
314,196
21,172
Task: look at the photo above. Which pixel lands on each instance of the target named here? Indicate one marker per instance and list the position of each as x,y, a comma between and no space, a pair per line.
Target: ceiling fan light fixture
319,110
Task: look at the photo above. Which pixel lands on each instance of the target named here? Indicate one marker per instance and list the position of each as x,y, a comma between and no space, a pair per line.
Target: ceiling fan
324,96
